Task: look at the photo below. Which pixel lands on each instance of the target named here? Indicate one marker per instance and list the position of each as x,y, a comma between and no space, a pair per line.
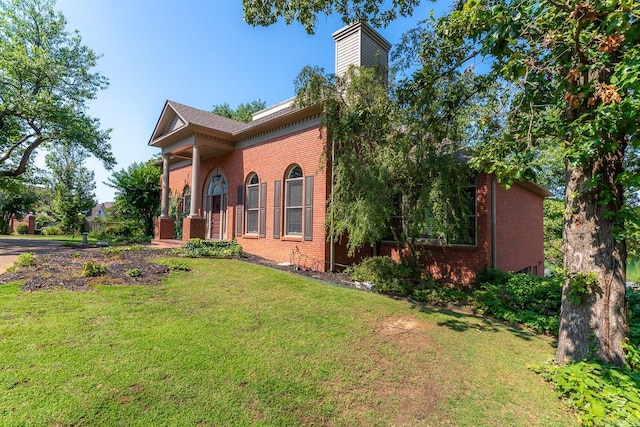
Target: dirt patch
63,269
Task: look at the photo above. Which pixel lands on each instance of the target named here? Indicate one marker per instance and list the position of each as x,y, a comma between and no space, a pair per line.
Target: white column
195,181
165,186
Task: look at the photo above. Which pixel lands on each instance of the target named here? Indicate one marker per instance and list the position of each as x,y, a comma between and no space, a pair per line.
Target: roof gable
176,116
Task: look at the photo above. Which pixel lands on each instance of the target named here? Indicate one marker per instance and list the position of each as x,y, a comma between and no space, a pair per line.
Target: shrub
196,248
520,298
123,233
25,259
431,292
115,251
387,275
602,394
22,228
176,265
92,269
53,230
133,272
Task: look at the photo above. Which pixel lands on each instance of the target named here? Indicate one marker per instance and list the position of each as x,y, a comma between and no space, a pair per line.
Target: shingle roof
207,119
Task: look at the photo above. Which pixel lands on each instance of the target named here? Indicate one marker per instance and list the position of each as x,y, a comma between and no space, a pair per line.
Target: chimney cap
366,29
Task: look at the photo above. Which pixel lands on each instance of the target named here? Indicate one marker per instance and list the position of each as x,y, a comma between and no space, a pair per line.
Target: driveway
10,248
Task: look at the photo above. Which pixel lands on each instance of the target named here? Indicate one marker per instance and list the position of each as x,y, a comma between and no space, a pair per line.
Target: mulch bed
63,270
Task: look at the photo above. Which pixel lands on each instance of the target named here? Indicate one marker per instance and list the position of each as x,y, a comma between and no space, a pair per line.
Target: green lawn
230,343
64,238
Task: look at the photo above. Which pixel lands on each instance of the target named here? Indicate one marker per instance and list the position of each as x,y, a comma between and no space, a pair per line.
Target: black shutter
263,210
308,208
276,209
239,211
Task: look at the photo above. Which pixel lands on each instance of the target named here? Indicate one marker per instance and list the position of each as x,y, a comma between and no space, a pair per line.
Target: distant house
99,211
265,184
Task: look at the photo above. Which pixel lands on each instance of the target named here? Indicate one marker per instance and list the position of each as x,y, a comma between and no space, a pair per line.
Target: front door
215,217
216,214
216,207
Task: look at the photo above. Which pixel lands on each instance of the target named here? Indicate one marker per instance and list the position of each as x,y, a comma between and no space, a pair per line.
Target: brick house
265,184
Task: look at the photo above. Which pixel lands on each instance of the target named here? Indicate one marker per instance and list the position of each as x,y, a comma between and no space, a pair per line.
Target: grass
235,344
65,239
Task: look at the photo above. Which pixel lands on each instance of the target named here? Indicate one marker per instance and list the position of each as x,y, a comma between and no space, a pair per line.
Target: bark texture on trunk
597,324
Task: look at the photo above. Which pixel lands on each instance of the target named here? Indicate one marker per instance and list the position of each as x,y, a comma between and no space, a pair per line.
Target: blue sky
198,53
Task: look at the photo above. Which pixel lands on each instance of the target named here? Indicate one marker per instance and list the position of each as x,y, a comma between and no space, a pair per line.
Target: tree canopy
16,199
71,186
46,79
137,194
267,12
243,113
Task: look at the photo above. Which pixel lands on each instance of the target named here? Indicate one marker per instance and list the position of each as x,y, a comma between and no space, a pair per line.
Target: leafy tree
16,198
575,67
244,112
570,75
45,82
137,194
267,12
394,160
71,186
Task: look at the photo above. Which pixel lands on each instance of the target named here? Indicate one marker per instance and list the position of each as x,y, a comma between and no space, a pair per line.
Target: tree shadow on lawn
465,320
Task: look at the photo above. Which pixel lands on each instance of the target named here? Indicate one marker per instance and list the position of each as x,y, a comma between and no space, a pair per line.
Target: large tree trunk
594,323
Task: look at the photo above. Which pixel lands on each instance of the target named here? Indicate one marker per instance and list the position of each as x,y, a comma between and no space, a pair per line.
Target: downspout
331,241
494,249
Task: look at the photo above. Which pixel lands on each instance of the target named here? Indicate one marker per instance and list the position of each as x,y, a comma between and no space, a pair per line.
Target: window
252,207
464,233
293,202
467,231
186,200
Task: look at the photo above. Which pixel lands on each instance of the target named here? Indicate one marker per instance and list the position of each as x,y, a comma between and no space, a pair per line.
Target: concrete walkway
10,248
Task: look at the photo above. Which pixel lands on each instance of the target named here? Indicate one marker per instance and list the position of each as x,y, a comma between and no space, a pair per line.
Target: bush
53,230
196,248
22,228
387,275
431,292
25,259
92,269
133,272
602,394
123,233
176,265
520,298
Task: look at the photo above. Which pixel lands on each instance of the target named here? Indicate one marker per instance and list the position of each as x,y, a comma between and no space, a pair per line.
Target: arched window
186,200
293,202
252,207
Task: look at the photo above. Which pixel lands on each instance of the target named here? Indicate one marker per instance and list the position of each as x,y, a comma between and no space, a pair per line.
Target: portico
186,137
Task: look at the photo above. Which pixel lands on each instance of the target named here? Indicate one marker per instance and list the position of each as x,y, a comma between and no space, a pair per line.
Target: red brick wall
271,160
519,232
